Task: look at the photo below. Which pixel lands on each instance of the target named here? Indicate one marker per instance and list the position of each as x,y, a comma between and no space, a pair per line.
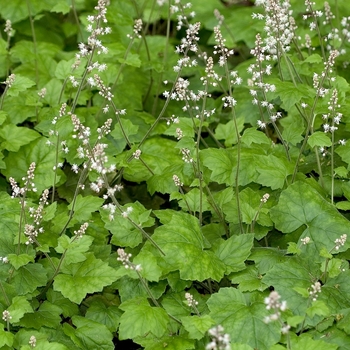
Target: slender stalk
31,20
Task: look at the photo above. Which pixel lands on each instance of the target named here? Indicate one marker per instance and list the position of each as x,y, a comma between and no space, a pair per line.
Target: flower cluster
125,260
191,302
177,181
10,80
81,230
137,29
340,242
315,290
220,48
4,259
273,303
6,316
279,27
28,183
220,340
32,341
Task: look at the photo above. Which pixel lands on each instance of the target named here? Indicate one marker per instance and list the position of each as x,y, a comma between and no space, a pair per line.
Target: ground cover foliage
174,175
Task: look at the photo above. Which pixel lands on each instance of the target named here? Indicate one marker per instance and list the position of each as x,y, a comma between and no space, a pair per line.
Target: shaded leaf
243,321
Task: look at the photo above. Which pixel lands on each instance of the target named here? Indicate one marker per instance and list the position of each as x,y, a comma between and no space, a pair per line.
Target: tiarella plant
174,174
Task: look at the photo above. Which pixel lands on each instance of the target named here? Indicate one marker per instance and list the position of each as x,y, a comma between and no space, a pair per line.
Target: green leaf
191,200
171,343
6,338
220,162
125,234
344,323
150,270
183,244
61,7
319,139
286,278
344,152
343,205
300,205
38,152
92,335
234,251
20,260
308,343
273,171
15,137
47,315
317,307
140,318
243,321
79,279
84,207
341,171
197,326
249,280
73,248
292,129
21,83
68,308
289,93
252,135
228,132
103,314
28,278
18,308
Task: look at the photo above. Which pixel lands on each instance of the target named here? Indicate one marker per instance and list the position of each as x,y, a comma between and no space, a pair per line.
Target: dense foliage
174,175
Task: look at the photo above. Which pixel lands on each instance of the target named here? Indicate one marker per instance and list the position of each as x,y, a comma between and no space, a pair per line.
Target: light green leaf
84,207
319,139
273,171
15,137
20,260
140,318
79,279
197,326
343,205
242,321
228,132
150,270
308,343
252,135
317,307
18,308
6,338
61,7
21,83
73,248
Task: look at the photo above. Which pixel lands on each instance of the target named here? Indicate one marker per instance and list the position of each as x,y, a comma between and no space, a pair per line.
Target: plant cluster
174,175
